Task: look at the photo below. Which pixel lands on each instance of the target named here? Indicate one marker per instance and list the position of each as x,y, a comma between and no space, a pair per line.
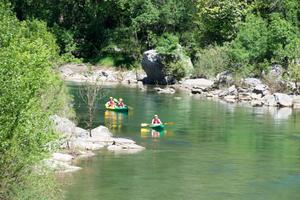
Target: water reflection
114,120
148,132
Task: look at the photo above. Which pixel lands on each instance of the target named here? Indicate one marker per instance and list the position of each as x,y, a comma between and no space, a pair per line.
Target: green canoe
117,109
157,126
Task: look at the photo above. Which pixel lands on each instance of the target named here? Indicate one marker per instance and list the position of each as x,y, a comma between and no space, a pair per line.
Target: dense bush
210,61
173,56
30,92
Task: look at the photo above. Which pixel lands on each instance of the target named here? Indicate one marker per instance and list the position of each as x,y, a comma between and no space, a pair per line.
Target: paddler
156,120
111,102
121,103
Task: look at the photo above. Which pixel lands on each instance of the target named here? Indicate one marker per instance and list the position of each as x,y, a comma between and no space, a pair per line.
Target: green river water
214,151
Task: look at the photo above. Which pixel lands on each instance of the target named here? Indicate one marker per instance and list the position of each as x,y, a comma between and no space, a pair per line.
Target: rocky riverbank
250,90
75,143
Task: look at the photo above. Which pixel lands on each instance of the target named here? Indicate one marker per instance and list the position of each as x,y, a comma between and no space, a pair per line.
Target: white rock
114,148
80,132
283,100
256,103
85,144
62,157
261,89
269,100
164,90
101,133
63,125
251,82
197,83
123,141
60,167
232,90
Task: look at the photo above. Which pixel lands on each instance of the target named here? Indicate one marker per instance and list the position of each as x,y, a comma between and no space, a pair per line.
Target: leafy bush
174,58
30,93
251,43
210,61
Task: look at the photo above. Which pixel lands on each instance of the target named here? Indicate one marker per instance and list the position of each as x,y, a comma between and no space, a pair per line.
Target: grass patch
110,60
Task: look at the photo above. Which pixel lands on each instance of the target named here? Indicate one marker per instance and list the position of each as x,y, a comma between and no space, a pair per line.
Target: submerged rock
167,90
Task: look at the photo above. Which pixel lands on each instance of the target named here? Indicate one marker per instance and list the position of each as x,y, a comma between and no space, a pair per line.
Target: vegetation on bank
30,92
245,37
234,35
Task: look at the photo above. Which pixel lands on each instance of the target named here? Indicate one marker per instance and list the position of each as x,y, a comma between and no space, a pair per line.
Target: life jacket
111,103
156,121
121,104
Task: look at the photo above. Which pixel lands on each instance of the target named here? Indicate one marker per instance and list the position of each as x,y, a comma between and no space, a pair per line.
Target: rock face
152,65
283,100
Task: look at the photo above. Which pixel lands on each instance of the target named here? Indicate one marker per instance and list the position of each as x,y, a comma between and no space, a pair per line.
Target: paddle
166,123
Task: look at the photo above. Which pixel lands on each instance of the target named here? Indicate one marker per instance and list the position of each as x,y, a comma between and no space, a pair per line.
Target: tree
250,47
90,93
27,54
218,20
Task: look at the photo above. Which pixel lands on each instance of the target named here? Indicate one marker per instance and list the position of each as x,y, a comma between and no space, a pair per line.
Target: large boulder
155,69
152,65
283,100
101,133
269,100
63,125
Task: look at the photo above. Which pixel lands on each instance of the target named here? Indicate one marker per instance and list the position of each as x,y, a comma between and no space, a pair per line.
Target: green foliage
250,47
258,32
211,61
173,55
219,20
167,44
30,92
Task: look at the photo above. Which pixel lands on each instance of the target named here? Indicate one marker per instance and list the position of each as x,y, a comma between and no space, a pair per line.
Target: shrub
210,61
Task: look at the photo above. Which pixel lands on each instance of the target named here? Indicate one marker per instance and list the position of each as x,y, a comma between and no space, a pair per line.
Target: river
212,151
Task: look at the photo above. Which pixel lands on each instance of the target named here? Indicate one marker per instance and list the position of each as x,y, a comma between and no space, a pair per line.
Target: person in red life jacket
111,102
121,103
156,120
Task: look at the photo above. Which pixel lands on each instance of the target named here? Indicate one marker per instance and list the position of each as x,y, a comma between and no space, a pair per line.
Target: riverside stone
261,89
167,90
199,83
62,157
269,100
251,82
283,100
